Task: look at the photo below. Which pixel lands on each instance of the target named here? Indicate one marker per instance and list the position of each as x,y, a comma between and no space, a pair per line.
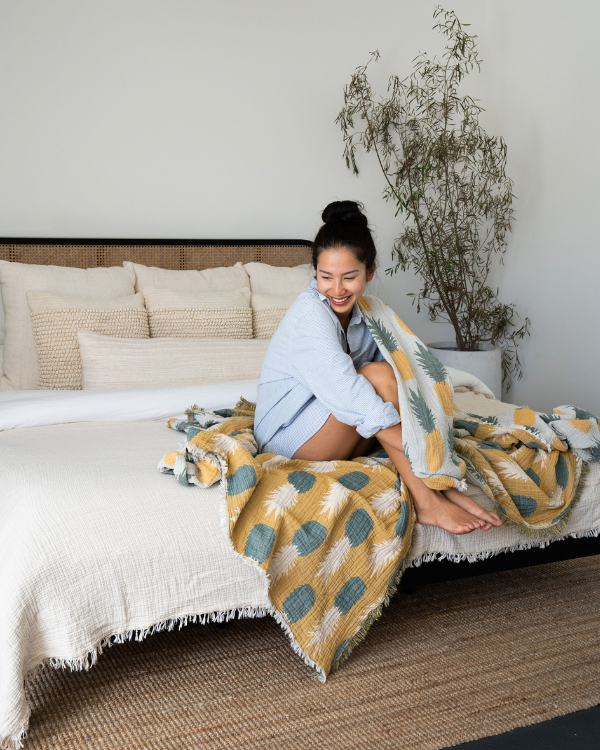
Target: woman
325,391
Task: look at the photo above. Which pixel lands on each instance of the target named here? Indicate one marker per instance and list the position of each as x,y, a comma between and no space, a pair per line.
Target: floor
577,731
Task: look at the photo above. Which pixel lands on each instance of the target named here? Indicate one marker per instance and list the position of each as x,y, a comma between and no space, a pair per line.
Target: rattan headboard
172,254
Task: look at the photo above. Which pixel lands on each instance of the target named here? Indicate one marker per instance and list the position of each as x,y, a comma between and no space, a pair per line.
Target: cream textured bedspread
94,542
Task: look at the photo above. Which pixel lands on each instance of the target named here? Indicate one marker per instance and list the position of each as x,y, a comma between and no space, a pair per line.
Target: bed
97,547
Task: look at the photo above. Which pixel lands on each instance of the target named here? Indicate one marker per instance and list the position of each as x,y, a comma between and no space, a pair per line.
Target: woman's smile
342,279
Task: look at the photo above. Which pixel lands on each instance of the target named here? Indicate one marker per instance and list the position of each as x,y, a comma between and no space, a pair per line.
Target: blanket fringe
486,555
87,661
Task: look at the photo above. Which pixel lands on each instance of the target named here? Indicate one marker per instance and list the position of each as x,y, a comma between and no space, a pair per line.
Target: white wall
214,118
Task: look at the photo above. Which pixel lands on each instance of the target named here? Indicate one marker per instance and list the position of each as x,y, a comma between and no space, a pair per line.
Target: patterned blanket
331,537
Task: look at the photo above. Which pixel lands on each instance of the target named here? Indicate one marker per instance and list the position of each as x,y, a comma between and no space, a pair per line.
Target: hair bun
344,211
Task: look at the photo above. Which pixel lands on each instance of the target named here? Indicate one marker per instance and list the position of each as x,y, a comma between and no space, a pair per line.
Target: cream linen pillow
20,366
57,318
281,280
190,282
109,362
267,313
215,314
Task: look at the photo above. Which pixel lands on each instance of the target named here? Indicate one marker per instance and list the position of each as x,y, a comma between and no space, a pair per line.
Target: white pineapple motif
541,457
334,558
227,444
324,629
557,498
383,553
322,466
333,499
379,462
510,470
274,463
249,443
283,560
385,502
281,500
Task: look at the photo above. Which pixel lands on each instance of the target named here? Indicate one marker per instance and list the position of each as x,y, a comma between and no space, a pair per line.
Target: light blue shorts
289,438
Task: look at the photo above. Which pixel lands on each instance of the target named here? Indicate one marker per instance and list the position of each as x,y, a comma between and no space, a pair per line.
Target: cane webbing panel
197,256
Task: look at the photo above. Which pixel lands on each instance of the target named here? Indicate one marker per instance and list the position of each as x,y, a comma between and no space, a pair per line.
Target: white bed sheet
94,542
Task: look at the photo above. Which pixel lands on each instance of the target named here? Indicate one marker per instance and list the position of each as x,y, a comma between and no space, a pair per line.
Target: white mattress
95,542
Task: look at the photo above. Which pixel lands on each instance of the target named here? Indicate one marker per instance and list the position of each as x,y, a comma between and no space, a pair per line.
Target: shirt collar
357,315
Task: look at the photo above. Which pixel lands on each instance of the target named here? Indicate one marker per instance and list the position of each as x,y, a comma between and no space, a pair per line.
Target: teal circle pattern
302,481
260,542
358,527
562,472
241,480
299,603
525,505
350,593
354,480
309,537
398,485
402,522
533,475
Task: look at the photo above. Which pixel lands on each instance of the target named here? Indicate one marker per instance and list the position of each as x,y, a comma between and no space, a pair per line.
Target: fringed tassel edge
476,557
376,613
86,662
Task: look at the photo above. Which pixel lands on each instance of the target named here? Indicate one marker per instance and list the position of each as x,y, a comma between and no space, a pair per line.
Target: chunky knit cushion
267,313
224,315
57,318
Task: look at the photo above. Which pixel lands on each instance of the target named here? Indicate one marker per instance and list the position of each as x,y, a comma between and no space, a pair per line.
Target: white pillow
212,314
281,280
20,366
109,362
56,318
225,279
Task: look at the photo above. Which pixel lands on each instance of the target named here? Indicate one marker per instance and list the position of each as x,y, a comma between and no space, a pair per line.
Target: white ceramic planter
485,364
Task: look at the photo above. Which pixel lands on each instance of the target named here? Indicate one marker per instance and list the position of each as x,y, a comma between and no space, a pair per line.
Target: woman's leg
339,441
433,507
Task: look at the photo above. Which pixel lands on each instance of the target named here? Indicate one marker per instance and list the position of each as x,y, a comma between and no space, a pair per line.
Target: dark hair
345,226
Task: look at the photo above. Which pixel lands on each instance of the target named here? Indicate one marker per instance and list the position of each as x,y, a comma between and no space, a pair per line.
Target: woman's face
342,278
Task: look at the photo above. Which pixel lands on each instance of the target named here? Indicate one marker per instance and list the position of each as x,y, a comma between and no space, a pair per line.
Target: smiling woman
326,393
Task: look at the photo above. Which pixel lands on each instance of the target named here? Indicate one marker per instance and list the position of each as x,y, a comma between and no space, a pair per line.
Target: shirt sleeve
318,361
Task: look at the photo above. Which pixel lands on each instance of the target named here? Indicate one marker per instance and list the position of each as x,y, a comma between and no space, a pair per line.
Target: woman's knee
378,373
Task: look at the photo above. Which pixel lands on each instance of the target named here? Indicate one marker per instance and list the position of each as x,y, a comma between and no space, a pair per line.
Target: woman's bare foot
491,518
433,509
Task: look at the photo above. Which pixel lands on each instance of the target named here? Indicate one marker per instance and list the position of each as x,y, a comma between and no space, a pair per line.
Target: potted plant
446,177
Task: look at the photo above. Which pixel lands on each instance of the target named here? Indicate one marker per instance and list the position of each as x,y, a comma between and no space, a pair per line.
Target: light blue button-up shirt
307,375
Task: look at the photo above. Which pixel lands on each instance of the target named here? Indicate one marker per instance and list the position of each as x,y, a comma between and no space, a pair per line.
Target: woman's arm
319,362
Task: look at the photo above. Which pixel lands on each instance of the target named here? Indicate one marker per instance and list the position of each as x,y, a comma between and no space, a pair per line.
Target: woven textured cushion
268,311
281,280
109,362
225,279
20,366
57,318
223,314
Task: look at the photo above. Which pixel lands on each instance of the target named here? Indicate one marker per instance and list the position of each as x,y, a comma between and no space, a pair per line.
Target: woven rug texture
451,663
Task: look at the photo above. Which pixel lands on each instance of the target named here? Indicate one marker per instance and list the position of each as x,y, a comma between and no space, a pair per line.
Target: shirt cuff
387,416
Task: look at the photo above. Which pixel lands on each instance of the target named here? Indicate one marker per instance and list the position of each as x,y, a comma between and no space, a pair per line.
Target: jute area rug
452,662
